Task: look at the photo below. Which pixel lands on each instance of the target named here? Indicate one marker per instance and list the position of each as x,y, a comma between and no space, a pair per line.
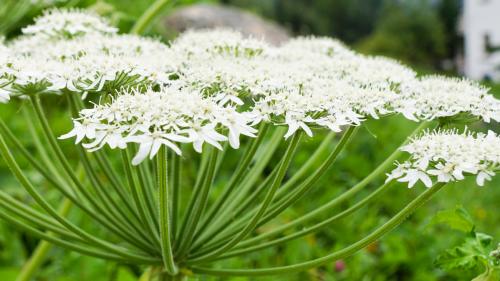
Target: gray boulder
220,16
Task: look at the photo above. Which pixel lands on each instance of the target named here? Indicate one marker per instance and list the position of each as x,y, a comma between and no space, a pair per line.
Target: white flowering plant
138,106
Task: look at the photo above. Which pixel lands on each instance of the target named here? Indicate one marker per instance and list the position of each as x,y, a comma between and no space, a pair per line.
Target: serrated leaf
457,218
473,253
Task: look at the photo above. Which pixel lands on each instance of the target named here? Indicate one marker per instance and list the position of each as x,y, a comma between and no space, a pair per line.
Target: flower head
154,118
436,96
59,23
207,43
448,156
89,63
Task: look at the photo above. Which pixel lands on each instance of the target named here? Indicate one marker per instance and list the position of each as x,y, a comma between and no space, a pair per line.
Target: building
481,30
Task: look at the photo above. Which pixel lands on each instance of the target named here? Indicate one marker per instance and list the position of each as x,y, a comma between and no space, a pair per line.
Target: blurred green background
420,33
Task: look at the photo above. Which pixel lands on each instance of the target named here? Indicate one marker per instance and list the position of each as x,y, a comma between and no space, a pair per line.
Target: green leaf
472,254
457,218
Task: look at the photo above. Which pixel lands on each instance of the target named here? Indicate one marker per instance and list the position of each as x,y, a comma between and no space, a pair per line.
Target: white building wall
481,20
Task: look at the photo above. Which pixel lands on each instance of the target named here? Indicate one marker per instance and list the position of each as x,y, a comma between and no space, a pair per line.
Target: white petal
143,152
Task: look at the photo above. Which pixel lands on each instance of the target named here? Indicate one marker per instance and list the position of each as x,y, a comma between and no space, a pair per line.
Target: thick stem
155,273
164,205
175,178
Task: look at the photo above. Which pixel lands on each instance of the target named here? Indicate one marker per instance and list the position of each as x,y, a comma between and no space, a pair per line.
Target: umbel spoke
345,252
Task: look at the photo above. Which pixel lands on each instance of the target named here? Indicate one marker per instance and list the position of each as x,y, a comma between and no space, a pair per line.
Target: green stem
175,178
241,169
83,249
111,210
42,148
276,183
201,174
165,226
322,150
148,191
345,252
53,179
228,214
16,170
26,213
278,207
305,231
148,16
139,199
37,258
344,196
187,236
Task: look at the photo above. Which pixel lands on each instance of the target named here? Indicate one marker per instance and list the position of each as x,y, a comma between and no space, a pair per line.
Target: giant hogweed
150,103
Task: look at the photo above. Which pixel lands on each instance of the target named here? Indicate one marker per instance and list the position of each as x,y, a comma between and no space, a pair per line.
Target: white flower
237,125
89,62
482,176
435,96
64,23
207,43
213,86
296,122
150,143
201,134
175,114
4,96
413,175
87,129
450,156
444,173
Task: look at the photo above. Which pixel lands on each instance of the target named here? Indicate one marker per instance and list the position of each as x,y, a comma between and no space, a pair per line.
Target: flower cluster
307,83
310,82
4,81
206,43
156,118
91,61
68,24
434,97
447,155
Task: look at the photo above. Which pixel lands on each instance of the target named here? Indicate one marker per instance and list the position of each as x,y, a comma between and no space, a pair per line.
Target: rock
219,16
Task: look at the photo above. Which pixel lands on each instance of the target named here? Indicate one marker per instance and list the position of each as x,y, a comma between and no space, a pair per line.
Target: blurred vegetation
418,32
421,32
